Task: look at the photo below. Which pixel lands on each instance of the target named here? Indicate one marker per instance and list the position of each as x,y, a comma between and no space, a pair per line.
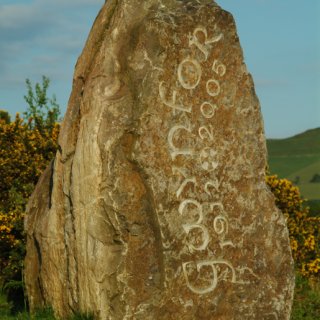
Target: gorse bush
24,154
27,145
304,230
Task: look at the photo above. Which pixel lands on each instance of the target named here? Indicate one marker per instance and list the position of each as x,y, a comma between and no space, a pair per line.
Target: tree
42,112
315,178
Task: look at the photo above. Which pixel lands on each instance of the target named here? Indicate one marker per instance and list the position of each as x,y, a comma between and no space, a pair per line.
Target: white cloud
78,2
55,27
41,37
14,15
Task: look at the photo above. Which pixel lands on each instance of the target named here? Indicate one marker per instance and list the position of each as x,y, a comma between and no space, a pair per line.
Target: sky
280,40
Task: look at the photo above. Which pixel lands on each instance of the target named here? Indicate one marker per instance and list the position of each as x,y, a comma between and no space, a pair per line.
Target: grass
285,166
310,190
46,314
298,156
306,305
5,313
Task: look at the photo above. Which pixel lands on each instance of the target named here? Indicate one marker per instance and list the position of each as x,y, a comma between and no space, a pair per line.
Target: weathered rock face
155,206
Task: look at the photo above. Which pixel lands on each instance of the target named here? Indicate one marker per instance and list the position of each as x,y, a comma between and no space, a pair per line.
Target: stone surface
155,206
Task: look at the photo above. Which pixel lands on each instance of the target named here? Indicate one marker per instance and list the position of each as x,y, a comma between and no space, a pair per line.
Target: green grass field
297,159
309,189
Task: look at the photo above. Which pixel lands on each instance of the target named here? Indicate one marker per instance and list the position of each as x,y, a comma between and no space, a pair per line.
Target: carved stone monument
156,206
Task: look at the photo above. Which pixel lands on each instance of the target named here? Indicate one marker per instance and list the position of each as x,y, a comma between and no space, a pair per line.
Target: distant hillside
298,159
305,143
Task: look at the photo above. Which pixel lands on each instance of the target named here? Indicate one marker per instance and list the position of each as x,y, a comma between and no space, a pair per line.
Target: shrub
304,230
26,147
315,178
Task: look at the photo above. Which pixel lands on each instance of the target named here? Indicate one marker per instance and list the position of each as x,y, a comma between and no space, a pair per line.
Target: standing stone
156,206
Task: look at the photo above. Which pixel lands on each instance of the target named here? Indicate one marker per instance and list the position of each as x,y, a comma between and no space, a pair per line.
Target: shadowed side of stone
156,206
38,205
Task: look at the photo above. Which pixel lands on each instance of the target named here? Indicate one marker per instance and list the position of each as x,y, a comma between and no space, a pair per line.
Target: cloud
44,20
15,16
34,33
78,2
41,37
21,22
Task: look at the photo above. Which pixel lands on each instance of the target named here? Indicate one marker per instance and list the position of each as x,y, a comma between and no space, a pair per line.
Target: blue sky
280,39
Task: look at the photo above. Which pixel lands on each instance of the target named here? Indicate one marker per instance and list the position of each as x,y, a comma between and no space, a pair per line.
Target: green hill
305,143
298,159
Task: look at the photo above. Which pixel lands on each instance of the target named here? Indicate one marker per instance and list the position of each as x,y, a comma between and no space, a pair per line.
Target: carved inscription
185,181
213,87
173,102
206,45
174,150
208,109
213,264
198,238
189,73
208,159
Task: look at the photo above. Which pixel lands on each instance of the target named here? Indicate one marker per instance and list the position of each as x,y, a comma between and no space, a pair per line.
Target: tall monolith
155,206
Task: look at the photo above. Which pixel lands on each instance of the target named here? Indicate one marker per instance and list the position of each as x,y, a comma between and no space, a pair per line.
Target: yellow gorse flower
304,230
24,154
